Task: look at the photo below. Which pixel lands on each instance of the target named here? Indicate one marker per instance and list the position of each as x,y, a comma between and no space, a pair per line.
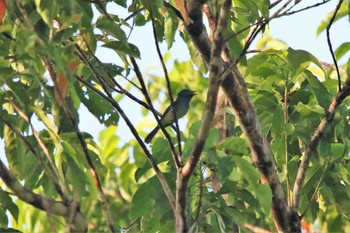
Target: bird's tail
151,135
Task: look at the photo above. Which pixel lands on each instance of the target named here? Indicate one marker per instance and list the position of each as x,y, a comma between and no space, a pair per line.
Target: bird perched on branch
181,106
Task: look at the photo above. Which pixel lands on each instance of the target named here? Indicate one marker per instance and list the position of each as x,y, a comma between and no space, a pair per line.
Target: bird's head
186,93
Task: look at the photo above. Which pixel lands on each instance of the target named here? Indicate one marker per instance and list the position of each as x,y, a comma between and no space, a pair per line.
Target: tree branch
239,98
215,68
46,169
328,118
48,205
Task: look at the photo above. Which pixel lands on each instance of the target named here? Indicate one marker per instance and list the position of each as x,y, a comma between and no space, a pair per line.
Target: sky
298,31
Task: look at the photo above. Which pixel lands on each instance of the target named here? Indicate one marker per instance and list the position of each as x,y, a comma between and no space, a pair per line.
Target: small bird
181,106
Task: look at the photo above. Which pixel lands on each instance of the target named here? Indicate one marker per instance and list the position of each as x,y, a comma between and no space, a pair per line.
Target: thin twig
178,163
330,43
286,13
285,121
62,192
83,144
149,156
325,167
275,3
134,13
105,69
110,76
167,79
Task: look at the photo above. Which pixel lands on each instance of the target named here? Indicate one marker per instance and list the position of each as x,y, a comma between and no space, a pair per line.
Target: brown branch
328,118
239,98
46,204
215,67
330,43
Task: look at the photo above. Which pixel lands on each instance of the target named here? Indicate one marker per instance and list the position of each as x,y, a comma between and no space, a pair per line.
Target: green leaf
196,57
99,107
342,50
8,204
324,149
236,48
170,27
142,202
48,187
236,145
225,165
22,161
264,7
123,47
248,171
111,28
47,10
306,110
64,34
343,11
235,214
337,150
121,3
289,128
3,217
161,150
75,176
318,88
277,123
311,179
278,149
264,195
299,60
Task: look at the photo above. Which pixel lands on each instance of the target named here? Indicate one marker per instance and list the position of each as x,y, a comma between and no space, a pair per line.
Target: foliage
49,71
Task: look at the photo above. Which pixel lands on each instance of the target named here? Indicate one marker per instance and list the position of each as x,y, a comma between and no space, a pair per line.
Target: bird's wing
168,116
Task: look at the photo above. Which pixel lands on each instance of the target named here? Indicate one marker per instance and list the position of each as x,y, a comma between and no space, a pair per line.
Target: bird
181,106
